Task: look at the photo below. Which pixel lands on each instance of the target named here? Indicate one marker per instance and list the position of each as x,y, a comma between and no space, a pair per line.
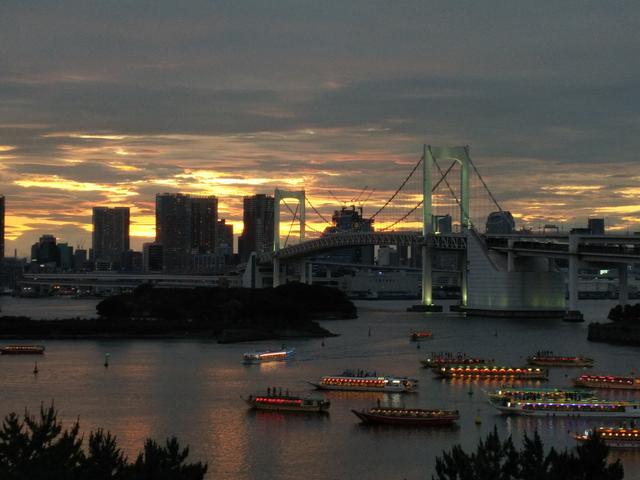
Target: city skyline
116,111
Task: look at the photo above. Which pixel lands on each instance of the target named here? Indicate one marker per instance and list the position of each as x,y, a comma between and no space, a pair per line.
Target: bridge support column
623,284
276,272
511,256
427,279
303,272
464,282
573,314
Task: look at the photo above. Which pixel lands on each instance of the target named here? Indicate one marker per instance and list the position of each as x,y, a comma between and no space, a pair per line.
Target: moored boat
492,372
587,408
22,350
366,382
287,403
437,360
539,394
614,437
417,336
407,416
249,358
608,381
546,358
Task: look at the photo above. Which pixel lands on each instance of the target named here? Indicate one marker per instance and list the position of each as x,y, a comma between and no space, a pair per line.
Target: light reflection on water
192,389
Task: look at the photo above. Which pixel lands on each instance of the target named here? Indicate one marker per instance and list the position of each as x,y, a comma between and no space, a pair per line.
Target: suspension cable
399,188
293,220
435,161
306,225
484,184
316,210
421,201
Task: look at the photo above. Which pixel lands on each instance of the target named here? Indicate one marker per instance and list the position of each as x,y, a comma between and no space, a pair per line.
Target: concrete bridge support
303,272
573,314
623,284
276,272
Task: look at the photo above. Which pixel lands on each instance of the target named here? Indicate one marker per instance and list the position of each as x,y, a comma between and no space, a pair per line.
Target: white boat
585,408
366,382
250,358
614,437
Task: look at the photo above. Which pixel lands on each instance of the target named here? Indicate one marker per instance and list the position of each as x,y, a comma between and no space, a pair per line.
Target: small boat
492,372
548,359
287,403
22,350
437,360
407,416
250,358
614,437
366,382
418,336
539,394
608,381
589,408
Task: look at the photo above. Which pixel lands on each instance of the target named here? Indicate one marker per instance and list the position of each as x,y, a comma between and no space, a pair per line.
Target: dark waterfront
192,389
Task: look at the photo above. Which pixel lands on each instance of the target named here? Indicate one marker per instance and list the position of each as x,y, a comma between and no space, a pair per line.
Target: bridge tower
460,155
279,196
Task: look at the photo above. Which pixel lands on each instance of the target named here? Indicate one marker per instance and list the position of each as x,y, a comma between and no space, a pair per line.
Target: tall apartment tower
257,235
1,227
204,216
110,238
185,225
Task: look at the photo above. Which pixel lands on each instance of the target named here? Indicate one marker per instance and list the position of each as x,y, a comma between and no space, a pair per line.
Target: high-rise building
110,238
350,220
45,251
224,238
596,226
500,223
204,215
80,259
442,223
1,227
257,234
173,229
66,256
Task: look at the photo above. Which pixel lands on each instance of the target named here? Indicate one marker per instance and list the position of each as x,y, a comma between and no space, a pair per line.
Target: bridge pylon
279,196
431,154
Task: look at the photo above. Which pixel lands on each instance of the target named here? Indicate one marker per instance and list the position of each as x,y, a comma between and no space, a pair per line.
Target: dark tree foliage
626,313
37,448
500,460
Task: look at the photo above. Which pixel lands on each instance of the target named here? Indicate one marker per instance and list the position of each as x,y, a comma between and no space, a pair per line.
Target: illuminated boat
587,408
366,382
250,358
437,360
548,359
539,394
407,416
22,350
615,437
417,336
607,381
287,403
492,372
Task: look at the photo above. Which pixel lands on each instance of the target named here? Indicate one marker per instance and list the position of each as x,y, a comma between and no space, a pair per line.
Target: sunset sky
109,103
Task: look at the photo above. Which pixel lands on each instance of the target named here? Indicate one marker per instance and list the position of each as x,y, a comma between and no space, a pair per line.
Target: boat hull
358,388
608,386
297,405
379,419
548,362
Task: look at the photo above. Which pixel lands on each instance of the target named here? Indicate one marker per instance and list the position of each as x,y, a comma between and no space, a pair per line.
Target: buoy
369,331
106,360
495,333
478,420
470,392
35,368
322,344
418,345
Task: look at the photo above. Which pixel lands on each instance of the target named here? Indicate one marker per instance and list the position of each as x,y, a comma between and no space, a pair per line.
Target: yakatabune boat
615,437
607,381
22,350
417,336
366,382
546,358
492,372
540,394
287,403
249,358
437,360
407,416
587,408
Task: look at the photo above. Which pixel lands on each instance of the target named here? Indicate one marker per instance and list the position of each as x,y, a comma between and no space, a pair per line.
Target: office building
173,229
501,223
66,256
45,252
224,238
152,257
110,238
257,234
442,224
596,226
